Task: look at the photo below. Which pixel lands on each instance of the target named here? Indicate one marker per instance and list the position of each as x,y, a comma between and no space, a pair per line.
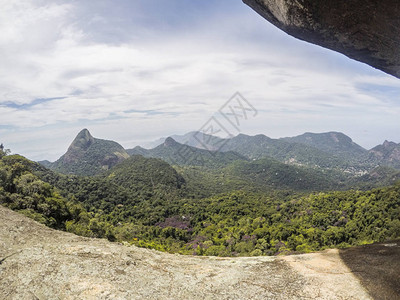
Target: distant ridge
179,154
261,146
195,139
327,150
332,142
387,154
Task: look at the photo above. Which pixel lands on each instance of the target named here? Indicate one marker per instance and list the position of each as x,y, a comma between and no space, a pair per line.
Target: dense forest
146,202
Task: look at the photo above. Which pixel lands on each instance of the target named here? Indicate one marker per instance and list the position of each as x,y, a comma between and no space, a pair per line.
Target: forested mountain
264,175
323,161
138,150
89,156
379,176
140,173
179,154
325,150
143,201
268,172
137,181
261,146
329,150
335,143
46,163
387,154
194,138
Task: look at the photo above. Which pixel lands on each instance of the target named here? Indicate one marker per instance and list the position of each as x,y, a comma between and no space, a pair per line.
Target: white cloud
172,84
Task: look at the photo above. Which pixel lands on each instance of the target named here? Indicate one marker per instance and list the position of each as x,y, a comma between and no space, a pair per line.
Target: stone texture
364,30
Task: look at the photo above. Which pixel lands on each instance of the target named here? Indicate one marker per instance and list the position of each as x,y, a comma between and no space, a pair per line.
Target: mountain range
332,157
183,154
206,202
311,149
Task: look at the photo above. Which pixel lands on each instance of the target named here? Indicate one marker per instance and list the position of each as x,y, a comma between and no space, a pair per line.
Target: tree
3,151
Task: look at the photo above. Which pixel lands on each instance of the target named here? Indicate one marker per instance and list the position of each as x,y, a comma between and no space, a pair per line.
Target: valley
289,188
249,199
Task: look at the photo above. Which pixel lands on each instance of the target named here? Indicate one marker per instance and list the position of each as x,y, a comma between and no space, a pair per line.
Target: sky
134,71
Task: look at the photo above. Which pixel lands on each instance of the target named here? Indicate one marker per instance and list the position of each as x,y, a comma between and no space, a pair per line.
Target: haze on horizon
135,71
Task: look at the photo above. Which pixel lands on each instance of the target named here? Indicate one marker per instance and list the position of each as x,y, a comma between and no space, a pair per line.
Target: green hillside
149,172
22,189
175,153
144,201
387,154
335,143
269,172
261,146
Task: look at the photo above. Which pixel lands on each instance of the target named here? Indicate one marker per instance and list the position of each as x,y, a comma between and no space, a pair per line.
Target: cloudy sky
133,71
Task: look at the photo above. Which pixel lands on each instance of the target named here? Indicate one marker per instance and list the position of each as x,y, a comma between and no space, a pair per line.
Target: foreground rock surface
40,263
365,30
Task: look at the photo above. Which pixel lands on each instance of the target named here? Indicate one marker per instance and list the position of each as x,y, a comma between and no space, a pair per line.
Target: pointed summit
170,142
89,156
82,141
388,144
84,132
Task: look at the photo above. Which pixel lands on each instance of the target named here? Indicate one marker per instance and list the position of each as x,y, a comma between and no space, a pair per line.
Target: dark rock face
364,30
89,156
76,150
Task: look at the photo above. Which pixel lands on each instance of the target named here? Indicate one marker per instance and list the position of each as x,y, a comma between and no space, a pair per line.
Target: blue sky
133,71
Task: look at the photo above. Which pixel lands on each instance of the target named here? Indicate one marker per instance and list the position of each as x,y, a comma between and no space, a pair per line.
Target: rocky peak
388,144
89,156
82,141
